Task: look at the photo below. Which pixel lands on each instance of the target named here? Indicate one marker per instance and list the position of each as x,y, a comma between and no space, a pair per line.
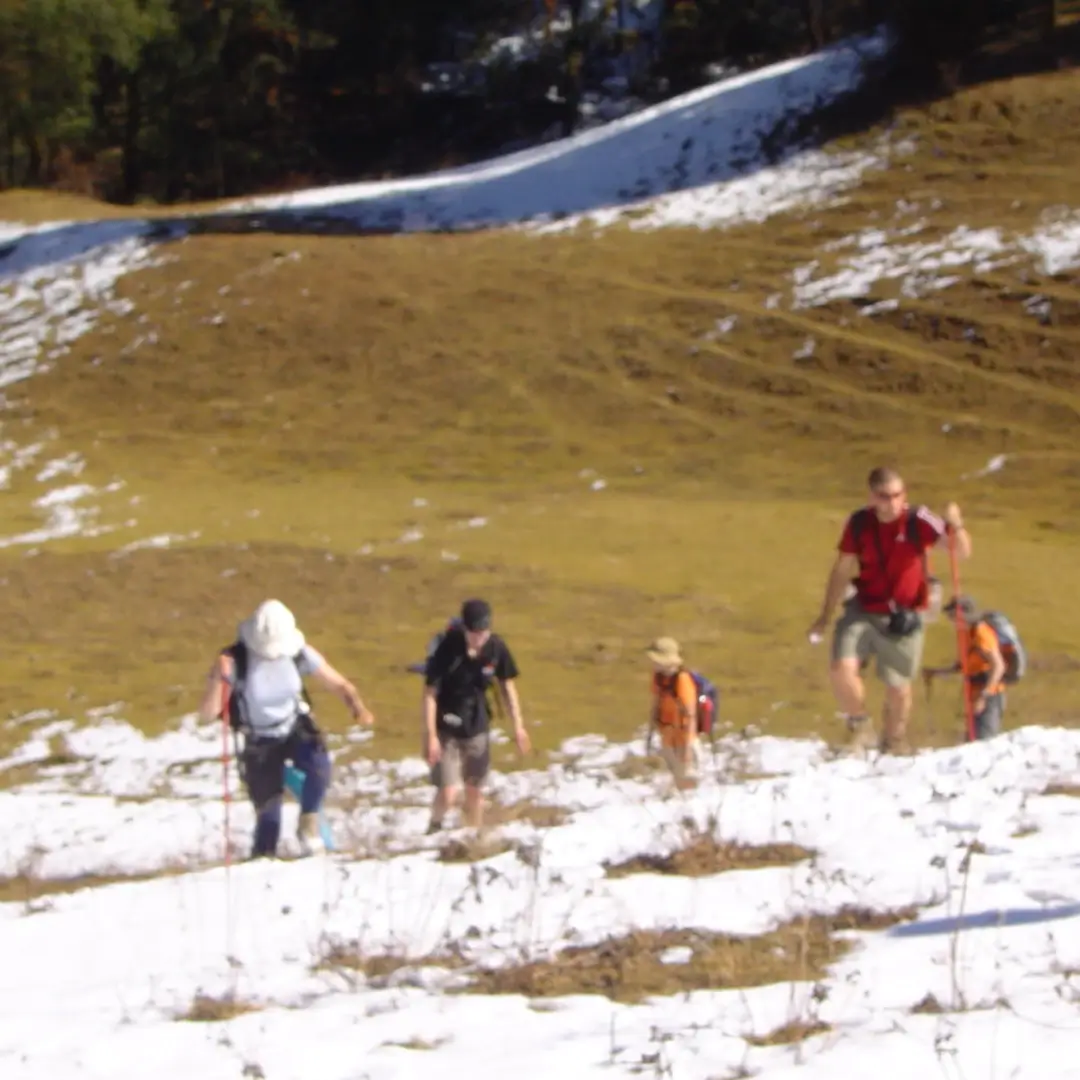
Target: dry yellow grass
706,855
27,887
303,392
795,1031
640,964
34,206
207,1009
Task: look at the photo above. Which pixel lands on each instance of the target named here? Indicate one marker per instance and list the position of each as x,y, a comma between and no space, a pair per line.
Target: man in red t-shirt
883,552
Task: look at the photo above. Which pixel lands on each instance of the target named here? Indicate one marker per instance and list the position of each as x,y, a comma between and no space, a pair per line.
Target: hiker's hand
521,737
364,716
953,517
434,751
816,633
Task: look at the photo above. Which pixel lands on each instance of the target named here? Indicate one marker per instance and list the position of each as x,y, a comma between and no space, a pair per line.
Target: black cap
476,615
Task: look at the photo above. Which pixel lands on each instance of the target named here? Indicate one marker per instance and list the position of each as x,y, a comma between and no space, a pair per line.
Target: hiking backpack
708,701
239,653
433,643
1012,648
492,700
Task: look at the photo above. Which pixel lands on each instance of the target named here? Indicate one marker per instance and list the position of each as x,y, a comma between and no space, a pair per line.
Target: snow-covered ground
94,981
56,284
709,137
906,260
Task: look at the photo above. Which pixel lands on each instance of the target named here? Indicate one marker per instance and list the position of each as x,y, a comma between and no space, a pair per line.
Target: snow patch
163,540
997,921
712,139
64,518
921,267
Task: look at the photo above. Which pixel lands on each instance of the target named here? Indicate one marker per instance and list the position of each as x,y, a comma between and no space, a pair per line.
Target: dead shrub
644,963
206,1008
794,1031
706,855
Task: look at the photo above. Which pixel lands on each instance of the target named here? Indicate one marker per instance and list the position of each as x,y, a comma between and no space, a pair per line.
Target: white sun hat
271,631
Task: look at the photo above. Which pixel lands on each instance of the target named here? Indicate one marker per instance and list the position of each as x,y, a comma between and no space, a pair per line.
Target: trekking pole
226,796
930,724
961,640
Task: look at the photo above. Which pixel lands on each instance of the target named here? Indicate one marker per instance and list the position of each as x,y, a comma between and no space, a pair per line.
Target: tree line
170,100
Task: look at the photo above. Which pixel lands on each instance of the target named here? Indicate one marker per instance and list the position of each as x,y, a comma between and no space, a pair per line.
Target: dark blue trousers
264,763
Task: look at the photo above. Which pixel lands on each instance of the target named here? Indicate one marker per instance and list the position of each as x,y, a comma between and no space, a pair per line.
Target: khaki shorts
463,760
861,635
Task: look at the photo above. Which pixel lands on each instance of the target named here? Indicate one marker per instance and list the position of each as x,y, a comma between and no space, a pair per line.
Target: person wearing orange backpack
674,712
985,669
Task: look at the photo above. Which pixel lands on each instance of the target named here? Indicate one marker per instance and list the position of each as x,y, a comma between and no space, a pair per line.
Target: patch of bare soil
928,1006
205,1008
1072,790
633,767
707,855
474,849
540,815
28,888
794,1031
353,960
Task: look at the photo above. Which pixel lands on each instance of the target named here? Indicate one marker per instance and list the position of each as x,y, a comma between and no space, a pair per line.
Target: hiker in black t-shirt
468,661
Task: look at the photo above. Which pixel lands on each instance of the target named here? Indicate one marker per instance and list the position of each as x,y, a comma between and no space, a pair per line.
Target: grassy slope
483,373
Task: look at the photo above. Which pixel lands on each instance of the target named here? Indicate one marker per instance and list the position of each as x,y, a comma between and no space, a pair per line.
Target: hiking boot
307,832
897,745
861,737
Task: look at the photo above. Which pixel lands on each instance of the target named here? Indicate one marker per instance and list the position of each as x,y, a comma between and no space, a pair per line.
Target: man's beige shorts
463,760
861,635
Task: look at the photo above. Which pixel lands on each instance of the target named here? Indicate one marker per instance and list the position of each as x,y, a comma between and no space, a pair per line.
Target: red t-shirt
903,577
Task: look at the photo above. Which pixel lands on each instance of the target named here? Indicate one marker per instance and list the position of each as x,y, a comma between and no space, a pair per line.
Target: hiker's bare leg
848,687
474,806
897,710
445,799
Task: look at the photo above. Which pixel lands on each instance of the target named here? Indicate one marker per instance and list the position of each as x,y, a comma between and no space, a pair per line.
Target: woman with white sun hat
257,682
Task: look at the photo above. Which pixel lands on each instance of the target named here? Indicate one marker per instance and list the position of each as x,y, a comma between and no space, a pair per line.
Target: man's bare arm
954,522
844,571
428,712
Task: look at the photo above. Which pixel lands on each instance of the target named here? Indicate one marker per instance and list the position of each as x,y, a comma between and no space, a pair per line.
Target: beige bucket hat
665,651
271,631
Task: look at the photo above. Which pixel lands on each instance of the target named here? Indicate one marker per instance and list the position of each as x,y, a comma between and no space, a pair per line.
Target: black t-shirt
461,680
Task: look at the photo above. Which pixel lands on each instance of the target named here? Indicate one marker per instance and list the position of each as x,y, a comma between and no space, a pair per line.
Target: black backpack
488,692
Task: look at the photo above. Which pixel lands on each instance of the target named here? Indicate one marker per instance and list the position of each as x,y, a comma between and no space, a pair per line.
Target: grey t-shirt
272,690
